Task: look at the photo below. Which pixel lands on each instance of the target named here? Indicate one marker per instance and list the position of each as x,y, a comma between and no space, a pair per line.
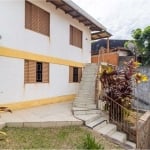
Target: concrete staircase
85,109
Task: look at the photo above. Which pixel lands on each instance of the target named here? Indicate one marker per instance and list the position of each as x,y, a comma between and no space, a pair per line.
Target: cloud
120,17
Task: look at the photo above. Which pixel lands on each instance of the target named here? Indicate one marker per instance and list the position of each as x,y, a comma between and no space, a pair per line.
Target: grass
71,137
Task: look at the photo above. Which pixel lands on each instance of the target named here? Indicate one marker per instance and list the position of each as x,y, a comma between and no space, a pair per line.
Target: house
114,45
112,51
44,46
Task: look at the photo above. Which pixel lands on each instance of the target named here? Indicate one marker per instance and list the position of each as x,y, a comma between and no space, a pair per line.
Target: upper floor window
37,19
75,37
36,72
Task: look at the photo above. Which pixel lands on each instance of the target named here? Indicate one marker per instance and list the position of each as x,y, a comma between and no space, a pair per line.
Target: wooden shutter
71,35
44,22
28,10
45,72
37,19
34,18
79,74
32,71
70,74
75,37
26,71
79,37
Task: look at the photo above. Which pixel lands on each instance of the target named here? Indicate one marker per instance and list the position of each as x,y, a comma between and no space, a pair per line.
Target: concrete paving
58,114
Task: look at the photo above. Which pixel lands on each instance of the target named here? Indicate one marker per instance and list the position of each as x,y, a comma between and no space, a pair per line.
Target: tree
131,45
142,41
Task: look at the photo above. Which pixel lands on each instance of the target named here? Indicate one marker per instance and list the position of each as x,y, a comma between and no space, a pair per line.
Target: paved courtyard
44,116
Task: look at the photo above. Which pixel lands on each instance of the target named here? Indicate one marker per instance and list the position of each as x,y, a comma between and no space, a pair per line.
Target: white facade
14,35
122,53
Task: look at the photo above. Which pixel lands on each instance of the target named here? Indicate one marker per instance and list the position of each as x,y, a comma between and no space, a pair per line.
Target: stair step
96,122
98,127
85,108
85,117
92,105
81,100
86,93
107,129
85,97
86,112
88,79
131,144
94,118
119,136
89,76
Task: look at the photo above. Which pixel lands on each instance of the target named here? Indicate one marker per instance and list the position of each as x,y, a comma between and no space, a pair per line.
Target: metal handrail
119,116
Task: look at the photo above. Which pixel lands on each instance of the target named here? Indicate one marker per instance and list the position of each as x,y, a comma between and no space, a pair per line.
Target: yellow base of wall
39,102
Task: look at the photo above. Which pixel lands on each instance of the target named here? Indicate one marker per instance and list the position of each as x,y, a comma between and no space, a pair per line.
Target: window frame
76,37
75,77
37,19
32,72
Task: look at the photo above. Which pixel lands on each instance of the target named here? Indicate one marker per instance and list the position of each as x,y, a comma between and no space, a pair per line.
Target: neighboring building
114,45
44,45
110,51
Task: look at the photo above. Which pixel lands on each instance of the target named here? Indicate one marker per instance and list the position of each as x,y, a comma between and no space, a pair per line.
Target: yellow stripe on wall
39,102
9,52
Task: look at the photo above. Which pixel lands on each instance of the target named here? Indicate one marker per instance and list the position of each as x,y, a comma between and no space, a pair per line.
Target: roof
98,31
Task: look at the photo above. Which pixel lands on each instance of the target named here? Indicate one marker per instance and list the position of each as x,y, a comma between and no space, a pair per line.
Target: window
75,74
36,19
36,72
75,37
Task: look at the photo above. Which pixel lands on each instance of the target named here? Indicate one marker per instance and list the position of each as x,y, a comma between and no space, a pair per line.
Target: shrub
89,142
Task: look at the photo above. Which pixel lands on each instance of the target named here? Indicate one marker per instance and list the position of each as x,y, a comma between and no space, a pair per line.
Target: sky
120,17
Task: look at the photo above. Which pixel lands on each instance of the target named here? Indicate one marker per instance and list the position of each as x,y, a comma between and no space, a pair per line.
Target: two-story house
44,45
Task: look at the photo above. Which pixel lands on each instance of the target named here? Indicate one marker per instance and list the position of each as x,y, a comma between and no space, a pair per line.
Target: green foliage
142,41
89,142
50,138
3,135
136,34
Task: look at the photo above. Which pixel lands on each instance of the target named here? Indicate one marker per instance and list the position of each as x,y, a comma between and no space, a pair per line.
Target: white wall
122,53
13,89
14,35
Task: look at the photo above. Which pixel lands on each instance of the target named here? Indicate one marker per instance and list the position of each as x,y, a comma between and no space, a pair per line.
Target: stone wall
143,132
142,91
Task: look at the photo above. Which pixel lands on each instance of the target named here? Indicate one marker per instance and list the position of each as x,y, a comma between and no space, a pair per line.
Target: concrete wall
143,132
15,36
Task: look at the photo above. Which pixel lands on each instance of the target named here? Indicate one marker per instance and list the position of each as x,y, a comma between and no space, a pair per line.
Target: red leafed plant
118,84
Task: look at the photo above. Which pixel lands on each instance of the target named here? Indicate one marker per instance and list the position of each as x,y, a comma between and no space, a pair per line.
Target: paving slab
58,114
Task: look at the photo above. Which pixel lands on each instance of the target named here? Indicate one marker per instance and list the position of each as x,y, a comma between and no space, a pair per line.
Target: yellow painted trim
39,102
9,52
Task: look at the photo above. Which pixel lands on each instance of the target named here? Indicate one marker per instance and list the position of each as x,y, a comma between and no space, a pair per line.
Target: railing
98,85
126,120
